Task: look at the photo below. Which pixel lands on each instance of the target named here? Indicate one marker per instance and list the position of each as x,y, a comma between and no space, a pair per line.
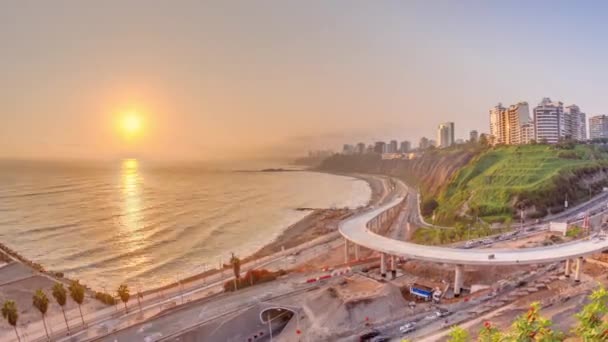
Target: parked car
369,335
381,338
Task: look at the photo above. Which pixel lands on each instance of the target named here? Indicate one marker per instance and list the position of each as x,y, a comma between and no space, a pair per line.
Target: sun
131,124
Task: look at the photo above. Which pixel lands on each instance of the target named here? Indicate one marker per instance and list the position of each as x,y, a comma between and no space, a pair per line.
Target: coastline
317,223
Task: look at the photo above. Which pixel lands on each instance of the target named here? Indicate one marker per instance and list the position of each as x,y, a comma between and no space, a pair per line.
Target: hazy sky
231,79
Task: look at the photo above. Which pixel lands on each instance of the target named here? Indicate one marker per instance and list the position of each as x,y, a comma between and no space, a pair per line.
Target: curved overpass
356,231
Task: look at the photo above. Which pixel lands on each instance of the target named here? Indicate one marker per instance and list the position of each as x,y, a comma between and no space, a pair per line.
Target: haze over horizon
234,80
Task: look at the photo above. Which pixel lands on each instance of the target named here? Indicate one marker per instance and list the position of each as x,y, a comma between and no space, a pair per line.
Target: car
434,315
438,314
381,338
369,335
407,327
444,313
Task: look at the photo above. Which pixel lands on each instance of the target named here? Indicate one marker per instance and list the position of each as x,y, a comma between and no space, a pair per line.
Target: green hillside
536,177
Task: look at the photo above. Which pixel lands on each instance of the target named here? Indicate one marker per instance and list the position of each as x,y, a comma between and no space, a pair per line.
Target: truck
421,291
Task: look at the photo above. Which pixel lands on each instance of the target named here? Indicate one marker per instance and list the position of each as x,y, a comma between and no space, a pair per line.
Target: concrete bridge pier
356,252
458,279
346,252
567,268
577,270
383,265
393,267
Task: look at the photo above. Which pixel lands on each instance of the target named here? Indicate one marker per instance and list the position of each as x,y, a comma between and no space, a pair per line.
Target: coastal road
184,317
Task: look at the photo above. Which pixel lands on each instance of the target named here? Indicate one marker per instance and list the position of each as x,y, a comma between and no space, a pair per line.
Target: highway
355,230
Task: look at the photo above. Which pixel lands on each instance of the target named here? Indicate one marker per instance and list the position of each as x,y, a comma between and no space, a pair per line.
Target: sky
259,79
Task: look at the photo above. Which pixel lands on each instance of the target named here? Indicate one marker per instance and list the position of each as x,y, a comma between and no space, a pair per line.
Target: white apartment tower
550,125
598,127
527,132
577,122
511,125
517,116
498,125
445,134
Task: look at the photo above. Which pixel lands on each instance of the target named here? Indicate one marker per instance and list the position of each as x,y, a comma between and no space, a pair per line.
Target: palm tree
10,313
236,268
61,297
41,302
77,294
123,293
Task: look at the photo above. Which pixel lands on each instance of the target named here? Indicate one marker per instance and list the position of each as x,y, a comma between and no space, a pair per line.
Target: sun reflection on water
132,218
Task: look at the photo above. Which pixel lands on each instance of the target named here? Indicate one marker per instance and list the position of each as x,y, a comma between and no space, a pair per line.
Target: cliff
464,182
431,171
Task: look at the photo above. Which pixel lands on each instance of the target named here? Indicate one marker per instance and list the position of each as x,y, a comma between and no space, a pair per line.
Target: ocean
142,223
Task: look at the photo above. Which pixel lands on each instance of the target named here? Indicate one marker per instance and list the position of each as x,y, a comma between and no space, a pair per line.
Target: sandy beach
320,221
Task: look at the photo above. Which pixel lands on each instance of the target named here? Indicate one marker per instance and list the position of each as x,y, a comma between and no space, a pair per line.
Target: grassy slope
490,182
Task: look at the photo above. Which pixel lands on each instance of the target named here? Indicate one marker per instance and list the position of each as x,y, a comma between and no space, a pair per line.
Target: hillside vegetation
465,182
535,178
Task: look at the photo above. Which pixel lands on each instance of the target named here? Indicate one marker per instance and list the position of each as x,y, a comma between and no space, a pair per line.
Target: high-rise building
506,123
576,121
348,149
598,127
445,134
424,143
550,124
473,136
517,116
360,148
392,147
527,133
405,146
498,124
379,147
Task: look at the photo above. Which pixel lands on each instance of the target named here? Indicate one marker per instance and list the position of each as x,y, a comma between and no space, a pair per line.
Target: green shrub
105,298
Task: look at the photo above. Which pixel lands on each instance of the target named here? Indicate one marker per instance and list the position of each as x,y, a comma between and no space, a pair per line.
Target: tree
489,333
124,294
61,297
236,268
591,325
77,293
531,327
10,313
483,140
458,334
41,302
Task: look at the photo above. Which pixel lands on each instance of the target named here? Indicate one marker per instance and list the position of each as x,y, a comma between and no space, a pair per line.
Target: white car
407,327
437,314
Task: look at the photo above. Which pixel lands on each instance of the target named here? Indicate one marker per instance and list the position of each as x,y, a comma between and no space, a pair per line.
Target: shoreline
313,225
317,223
